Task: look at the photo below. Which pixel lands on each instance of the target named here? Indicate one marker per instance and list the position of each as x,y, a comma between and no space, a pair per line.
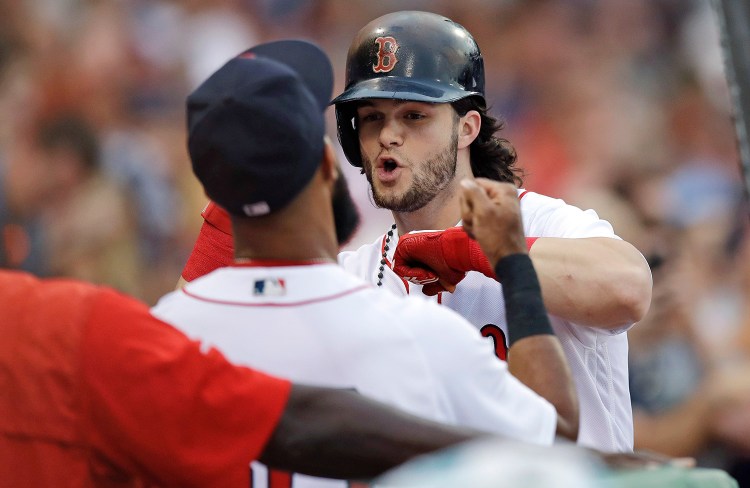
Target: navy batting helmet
407,55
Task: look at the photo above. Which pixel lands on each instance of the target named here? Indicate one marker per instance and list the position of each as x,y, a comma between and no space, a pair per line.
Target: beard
345,214
433,177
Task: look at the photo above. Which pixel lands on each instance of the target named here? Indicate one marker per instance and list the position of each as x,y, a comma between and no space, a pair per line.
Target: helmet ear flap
348,134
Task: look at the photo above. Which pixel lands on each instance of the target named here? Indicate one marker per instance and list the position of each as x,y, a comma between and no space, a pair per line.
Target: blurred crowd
617,105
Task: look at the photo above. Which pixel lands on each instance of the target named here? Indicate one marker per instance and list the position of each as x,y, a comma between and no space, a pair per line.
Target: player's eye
415,116
368,117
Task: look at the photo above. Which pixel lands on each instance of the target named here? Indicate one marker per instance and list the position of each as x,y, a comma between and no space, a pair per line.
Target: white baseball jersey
598,358
317,324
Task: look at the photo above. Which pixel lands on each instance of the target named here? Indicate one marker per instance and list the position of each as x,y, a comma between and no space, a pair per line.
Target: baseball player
257,144
413,117
97,392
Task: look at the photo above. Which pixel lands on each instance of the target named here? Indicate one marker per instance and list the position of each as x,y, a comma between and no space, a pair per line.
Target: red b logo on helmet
387,47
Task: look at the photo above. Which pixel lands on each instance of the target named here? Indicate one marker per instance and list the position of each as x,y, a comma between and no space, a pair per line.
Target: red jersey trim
272,304
523,193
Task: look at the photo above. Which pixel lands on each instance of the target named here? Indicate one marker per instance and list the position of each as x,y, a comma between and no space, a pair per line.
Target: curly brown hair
491,156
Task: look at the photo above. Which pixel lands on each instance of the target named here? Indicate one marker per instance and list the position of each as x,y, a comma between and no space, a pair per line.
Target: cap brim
309,62
403,89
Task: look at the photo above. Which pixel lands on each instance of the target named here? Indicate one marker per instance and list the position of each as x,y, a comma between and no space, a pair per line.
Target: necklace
383,259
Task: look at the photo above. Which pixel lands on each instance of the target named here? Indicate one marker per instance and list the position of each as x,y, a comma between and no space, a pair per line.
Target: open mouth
389,165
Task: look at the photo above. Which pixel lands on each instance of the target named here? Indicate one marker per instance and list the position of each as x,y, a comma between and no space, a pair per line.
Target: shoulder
363,250
218,287
546,216
359,261
45,314
261,287
165,301
536,202
121,314
16,282
46,297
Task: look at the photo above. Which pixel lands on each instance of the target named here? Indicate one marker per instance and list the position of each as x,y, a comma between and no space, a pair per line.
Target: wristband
524,310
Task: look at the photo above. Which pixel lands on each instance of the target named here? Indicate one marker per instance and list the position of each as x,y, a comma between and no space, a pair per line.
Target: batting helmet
407,55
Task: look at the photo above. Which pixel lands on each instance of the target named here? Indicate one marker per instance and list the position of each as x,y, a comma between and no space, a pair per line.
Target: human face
408,151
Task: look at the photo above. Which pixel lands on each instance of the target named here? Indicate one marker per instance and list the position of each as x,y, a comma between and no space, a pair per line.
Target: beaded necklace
383,259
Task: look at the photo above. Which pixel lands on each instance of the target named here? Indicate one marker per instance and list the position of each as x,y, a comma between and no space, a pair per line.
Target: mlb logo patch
269,287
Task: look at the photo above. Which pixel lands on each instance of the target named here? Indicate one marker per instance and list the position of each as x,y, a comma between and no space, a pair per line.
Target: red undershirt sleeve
214,247
160,407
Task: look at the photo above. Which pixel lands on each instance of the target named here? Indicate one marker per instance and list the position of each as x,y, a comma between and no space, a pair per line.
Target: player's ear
328,164
468,128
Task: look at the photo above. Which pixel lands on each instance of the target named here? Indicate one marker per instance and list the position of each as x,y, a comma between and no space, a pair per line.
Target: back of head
407,55
256,126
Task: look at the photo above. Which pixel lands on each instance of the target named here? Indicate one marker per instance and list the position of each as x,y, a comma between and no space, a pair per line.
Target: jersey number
498,337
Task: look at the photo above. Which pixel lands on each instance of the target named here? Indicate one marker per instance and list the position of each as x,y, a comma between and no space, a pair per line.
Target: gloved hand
439,260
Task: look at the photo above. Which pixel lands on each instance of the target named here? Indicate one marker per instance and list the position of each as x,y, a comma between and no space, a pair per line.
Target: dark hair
72,132
491,156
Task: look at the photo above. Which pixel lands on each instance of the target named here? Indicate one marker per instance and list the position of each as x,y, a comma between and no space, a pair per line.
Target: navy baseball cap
256,126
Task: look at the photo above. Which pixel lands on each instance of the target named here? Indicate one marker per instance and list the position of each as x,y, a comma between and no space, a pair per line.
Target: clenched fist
439,260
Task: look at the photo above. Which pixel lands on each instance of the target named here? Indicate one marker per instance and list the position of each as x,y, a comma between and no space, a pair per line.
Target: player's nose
391,133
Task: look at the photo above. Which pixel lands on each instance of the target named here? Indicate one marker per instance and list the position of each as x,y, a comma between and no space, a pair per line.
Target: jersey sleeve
479,388
214,247
160,407
544,216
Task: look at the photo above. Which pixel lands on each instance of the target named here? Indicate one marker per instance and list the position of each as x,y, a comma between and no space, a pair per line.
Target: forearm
341,434
535,356
539,363
600,282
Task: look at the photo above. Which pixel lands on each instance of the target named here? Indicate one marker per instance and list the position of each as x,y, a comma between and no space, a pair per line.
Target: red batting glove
434,259
440,258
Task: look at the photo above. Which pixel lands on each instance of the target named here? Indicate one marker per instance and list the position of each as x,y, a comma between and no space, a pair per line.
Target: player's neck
283,244
303,231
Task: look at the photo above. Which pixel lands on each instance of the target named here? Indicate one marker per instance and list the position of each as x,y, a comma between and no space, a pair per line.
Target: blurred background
617,105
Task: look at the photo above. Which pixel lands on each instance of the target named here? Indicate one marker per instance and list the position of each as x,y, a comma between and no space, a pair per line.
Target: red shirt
214,247
97,392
